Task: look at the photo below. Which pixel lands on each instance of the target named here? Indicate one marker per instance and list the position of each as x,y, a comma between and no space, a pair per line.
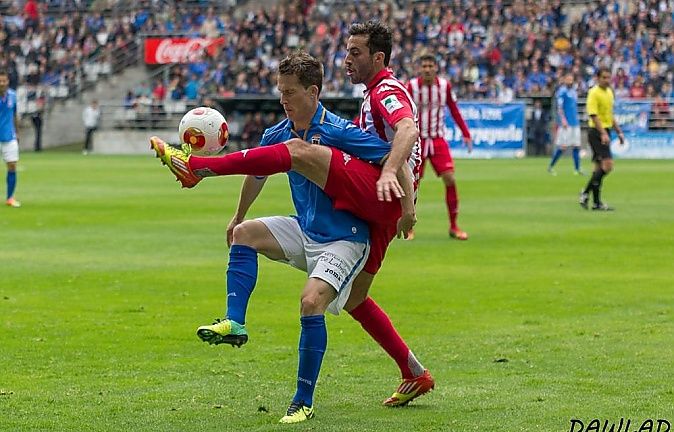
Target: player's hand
604,138
468,142
230,229
621,137
405,225
389,187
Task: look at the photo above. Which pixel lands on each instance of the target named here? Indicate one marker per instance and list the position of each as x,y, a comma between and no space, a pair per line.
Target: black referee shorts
600,151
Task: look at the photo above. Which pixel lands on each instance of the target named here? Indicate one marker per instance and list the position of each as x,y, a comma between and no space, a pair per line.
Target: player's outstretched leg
177,160
223,332
411,389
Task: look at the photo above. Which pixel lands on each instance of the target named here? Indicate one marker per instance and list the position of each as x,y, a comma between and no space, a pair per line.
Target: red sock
452,199
375,321
260,161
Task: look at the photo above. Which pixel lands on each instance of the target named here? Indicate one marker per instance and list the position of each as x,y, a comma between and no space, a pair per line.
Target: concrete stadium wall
129,141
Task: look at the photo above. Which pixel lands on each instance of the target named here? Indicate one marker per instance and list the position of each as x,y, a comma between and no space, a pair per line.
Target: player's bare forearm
250,189
406,180
406,134
408,217
617,127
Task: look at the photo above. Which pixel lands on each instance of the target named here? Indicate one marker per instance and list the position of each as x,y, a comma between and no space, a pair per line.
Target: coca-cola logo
178,50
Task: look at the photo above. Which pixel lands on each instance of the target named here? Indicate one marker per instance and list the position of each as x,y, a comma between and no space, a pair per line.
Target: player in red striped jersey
389,112
432,93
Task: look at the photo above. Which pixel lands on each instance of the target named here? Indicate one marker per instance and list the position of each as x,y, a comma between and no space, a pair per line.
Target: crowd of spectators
493,49
489,49
59,52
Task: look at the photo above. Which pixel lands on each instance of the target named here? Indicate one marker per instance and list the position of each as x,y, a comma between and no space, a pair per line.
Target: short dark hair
4,72
428,57
380,38
601,70
305,67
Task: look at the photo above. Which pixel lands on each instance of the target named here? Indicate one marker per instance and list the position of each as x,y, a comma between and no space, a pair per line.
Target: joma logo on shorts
334,273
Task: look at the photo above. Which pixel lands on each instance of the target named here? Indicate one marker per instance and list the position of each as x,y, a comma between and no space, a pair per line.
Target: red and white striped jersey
431,100
386,102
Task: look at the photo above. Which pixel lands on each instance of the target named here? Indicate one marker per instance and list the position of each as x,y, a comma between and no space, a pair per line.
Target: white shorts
10,150
568,136
336,263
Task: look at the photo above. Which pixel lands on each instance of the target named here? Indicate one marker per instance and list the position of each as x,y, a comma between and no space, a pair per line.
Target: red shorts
352,186
380,237
437,151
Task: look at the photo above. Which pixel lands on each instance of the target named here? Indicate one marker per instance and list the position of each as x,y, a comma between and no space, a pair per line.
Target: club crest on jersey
316,139
391,103
347,158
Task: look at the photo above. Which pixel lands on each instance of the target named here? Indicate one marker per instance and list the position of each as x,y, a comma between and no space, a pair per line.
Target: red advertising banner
179,50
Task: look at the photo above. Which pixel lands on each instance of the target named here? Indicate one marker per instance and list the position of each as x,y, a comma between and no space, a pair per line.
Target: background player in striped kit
432,94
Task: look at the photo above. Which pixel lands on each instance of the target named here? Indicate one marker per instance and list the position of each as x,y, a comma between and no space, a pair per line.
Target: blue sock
576,158
11,183
241,279
313,342
555,157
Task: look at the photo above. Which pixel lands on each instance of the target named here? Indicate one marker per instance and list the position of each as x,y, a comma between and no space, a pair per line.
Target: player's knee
355,298
244,234
359,290
312,303
448,178
297,148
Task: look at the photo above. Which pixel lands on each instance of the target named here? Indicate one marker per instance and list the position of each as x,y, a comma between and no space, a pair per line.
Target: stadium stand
490,49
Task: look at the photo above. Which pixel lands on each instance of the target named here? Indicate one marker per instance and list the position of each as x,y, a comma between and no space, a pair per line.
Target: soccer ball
205,130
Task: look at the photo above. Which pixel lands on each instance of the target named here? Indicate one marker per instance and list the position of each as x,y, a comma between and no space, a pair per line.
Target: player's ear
379,57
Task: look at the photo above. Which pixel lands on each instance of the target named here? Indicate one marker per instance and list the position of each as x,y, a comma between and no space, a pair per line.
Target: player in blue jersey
9,144
568,124
330,245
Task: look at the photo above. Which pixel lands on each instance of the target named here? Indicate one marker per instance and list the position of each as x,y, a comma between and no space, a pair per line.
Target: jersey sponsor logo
316,139
391,103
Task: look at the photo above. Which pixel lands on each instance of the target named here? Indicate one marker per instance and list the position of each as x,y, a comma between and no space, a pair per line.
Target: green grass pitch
547,313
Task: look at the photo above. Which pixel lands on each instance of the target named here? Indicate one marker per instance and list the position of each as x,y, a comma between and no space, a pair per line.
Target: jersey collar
381,75
317,119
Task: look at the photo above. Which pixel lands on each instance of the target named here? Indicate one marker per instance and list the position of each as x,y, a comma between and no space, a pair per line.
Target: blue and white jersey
567,100
316,216
7,113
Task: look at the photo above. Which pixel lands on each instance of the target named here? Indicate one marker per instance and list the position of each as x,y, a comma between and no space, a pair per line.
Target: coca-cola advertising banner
179,50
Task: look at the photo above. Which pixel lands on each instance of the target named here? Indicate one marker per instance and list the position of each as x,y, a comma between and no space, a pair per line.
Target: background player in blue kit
9,144
568,124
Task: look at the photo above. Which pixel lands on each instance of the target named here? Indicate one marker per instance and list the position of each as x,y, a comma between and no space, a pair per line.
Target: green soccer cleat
297,412
177,160
223,331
